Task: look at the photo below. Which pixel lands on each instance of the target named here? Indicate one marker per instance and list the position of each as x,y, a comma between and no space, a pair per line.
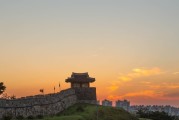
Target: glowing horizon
130,47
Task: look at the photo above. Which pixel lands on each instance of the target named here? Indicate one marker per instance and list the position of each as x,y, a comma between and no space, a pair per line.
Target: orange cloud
113,88
139,72
175,73
114,85
145,93
149,93
164,86
136,73
173,86
125,78
114,97
154,90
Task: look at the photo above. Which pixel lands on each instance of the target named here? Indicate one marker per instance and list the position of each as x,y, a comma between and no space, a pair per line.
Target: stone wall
86,93
47,104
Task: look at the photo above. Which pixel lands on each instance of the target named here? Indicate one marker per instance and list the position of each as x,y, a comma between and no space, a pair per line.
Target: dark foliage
30,117
2,87
39,116
19,117
108,118
154,115
101,113
80,109
7,117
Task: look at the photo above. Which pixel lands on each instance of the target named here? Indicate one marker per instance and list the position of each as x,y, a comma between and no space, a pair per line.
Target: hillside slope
89,112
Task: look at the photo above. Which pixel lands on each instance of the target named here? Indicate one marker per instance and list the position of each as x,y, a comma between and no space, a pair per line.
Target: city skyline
130,47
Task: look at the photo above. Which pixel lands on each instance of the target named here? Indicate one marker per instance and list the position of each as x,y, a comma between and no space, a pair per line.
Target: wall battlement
47,104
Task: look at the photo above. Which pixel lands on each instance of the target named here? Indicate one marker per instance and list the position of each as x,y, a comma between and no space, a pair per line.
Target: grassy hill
89,112
144,119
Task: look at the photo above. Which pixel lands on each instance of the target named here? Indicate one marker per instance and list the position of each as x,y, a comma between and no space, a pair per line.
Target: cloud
149,93
125,78
174,94
136,85
145,82
139,72
113,88
175,73
114,97
145,93
114,85
136,73
161,86
147,72
173,86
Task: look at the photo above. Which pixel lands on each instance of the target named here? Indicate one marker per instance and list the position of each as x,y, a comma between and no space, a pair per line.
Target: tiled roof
80,77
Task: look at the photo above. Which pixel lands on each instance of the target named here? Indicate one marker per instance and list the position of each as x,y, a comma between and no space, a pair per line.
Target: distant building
106,103
123,104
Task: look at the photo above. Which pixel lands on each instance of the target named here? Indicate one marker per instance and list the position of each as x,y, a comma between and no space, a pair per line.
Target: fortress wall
49,104
86,93
38,105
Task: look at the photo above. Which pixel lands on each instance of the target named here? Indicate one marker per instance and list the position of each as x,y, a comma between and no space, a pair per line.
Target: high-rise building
106,103
123,104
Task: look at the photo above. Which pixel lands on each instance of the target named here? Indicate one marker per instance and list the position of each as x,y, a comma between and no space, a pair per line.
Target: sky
130,47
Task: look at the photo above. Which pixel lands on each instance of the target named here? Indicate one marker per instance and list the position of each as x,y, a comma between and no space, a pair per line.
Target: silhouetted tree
5,96
12,97
2,87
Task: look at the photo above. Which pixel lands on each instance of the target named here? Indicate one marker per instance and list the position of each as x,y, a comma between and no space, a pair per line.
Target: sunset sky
131,47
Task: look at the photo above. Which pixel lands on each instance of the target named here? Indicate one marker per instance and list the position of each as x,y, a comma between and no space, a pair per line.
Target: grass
89,112
144,119
72,117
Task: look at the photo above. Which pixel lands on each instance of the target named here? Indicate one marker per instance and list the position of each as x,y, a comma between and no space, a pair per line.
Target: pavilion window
85,85
76,85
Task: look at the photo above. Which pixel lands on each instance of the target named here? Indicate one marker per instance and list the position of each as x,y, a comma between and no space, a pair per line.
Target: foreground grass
144,119
72,117
89,112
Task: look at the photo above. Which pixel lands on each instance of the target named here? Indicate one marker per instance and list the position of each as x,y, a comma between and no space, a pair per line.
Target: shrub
80,109
108,118
39,116
30,117
100,113
20,117
7,117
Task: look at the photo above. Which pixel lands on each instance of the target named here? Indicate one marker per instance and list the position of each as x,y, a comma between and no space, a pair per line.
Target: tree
6,96
2,87
12,97
154,115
